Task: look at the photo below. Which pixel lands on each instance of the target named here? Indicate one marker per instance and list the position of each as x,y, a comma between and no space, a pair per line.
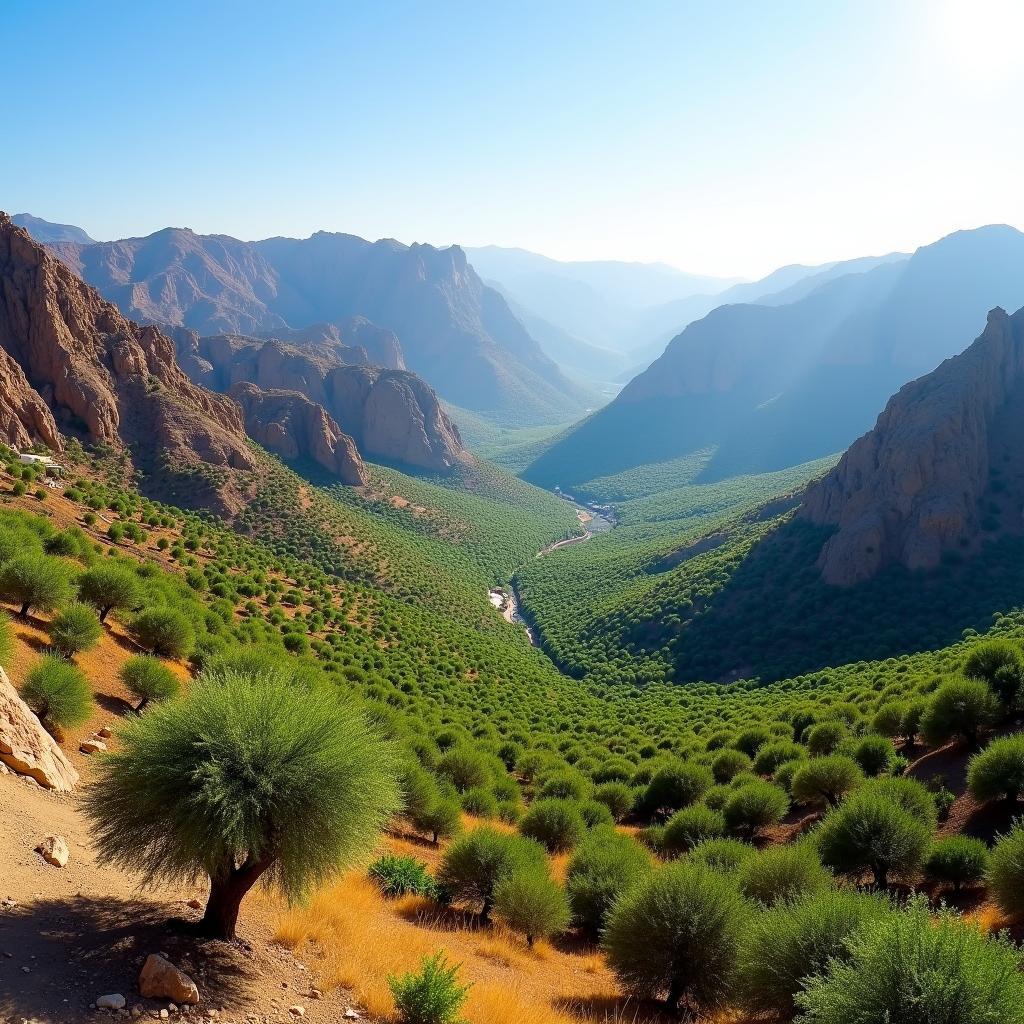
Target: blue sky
723,138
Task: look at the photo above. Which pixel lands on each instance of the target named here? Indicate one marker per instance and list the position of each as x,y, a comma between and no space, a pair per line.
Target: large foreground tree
252,776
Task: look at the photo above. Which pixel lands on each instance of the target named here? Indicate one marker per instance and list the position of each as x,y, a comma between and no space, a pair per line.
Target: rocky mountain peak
940,470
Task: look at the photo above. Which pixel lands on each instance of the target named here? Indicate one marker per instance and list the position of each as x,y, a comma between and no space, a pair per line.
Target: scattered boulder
160,979
54,850
26,747
93,746
297,1011
114,1001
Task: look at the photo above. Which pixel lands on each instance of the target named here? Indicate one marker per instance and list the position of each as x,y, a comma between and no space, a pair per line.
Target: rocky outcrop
160,979
920,483
104,378
355,342
291,426
26,747
393,415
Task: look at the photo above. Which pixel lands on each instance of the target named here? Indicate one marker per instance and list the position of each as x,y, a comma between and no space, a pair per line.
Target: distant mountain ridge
770,386
452,329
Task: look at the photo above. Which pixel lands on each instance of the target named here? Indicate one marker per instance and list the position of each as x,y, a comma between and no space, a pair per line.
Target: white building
43,462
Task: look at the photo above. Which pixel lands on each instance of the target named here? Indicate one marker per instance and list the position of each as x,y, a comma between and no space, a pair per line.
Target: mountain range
801,374
453,330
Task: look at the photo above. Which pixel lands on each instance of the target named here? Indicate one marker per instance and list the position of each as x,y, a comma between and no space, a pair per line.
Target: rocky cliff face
357,341
453,330
393,415
290,425
72,363
943,456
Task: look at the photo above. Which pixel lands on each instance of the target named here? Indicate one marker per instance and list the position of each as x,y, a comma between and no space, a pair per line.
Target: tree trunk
675,993
142,705
226,894
104,612
24,609
881,876
485,910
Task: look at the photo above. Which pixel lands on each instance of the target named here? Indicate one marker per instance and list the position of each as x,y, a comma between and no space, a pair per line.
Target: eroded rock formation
943,455
290,425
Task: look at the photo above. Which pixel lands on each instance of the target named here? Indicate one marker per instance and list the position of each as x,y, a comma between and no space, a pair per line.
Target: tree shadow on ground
620,1009
59,955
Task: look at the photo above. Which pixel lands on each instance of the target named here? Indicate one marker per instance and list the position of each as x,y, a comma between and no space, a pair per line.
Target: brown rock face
393,415
290,425
26,747
913,487
355,342
71,362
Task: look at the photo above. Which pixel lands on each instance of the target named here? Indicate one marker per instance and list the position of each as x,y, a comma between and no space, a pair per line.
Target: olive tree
676,937
998,771
294,786
107,586
34,581
529,902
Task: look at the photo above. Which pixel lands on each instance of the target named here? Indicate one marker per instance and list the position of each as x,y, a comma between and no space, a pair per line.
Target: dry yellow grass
355,938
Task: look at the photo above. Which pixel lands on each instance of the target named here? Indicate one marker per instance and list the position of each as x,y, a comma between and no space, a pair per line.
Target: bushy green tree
826,780
754,806
34,581
690,826
674,786
58,693
725,855
294,786
873,754
1006,871
617,797
107,586
957,861
915,968
777,753
164,632
870,832
529,902
793,940
602,868
959,709
148,679
676,935
729,762
556,824
474,863
999,663
997,773
465,767
825,737
781,873
74,629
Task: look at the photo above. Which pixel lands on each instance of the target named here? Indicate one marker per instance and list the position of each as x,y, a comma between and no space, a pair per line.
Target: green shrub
617,797
870,832
825,737
909,794
474,863
729,762
565,785
724,855
75,629
34,581
754,806
529,902
873,754
957,861
675,936
557,824
295,786
751,739
690,826
911,967
772,755
58,693
786,944
674,786
826,780
400,876
148,679
164,632
6,640
480,802
997,773
959,709
601,869
782,873
433,996
1006,870
1000,664
595,813
465,767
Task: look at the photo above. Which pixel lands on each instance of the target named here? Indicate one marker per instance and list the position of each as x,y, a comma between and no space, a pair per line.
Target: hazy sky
721,137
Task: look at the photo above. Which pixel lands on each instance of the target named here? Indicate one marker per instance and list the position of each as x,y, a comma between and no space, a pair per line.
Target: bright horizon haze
724,139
